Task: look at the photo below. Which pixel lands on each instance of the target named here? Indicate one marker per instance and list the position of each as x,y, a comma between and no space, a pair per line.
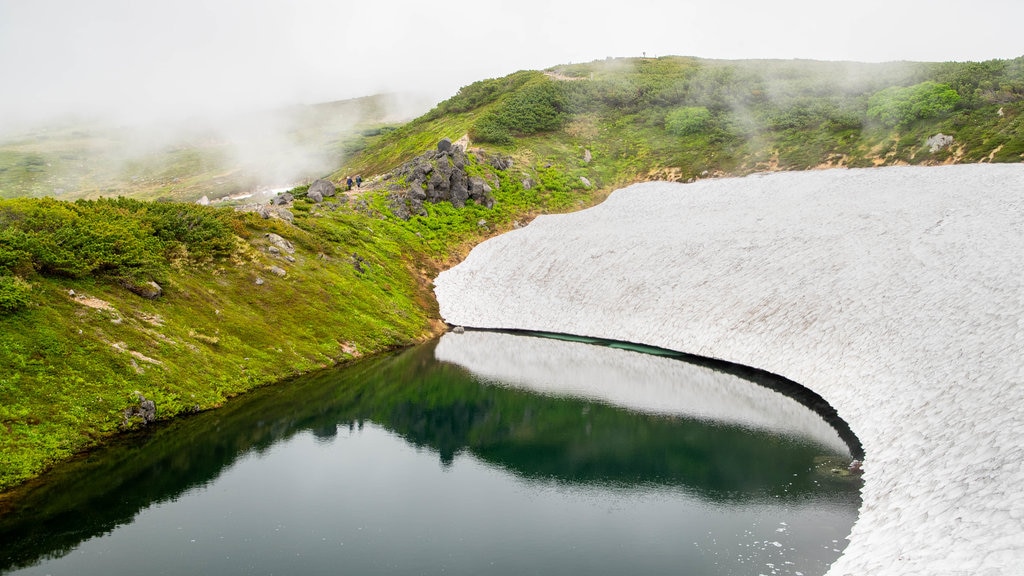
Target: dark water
408,465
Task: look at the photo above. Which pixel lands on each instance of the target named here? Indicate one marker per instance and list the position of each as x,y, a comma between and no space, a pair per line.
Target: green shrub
14,294
536,107
687,120
899,106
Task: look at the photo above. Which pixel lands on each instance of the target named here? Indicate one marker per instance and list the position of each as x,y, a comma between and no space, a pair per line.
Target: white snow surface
895,293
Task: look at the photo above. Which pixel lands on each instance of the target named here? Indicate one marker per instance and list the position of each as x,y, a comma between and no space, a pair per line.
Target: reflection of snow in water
895,293
633,380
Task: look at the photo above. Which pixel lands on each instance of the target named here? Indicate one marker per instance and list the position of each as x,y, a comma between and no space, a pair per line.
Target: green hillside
107,304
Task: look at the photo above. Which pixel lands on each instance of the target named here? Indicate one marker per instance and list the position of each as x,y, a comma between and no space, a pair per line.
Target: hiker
359,181
348,182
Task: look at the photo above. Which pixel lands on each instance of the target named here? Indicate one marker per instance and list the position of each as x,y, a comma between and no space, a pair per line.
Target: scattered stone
1000,112
938,142
585,181
481,223
290,258
458,330
204,201
315,196
71,293
445,145
587,157
274,250
528,183
259,281
278,271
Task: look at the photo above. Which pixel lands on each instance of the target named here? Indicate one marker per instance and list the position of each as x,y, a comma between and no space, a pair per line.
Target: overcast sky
156,59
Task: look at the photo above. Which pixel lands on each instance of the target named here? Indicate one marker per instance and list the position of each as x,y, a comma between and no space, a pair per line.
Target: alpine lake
478,453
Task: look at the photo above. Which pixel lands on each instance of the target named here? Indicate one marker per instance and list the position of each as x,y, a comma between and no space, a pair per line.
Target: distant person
348,182
359,181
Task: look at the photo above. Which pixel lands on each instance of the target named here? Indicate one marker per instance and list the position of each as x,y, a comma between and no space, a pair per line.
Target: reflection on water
407,464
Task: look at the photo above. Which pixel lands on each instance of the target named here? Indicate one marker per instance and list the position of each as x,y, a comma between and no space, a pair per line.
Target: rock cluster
938,142
144,411
440,176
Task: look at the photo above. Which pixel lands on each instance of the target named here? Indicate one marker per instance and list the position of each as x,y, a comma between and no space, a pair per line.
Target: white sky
153,59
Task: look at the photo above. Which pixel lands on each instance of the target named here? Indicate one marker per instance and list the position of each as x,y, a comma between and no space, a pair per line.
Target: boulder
314,196
445,145
148,290
585,181
278,271
323,187
480,192
204,201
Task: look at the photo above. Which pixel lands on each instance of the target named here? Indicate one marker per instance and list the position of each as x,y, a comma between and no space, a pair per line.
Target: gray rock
938,142
282,199
323,187
587,157
445,145
480,192
204,201
143,412
528,183
285,214
280,242
259,281
315,196
148,290
278,271
585,181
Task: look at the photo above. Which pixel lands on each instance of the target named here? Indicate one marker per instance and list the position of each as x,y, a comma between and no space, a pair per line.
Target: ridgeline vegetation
109,303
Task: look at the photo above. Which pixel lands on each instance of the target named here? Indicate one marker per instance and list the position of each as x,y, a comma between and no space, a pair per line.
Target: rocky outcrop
439,176
938,142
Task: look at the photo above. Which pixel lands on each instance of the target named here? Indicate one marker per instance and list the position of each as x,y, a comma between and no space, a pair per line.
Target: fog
138,61
207,64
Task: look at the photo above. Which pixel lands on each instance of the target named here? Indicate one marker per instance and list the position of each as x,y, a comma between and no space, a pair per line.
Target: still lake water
481,453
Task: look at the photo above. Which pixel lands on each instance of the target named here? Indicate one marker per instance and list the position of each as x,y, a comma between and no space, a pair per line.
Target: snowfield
895,293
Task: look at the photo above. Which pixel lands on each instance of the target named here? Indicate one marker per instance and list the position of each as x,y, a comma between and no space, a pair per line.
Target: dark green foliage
14,293
687,120
121,238
481,93
897,106
536,107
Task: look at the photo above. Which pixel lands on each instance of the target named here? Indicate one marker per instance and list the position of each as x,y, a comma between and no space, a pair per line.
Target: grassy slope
68,371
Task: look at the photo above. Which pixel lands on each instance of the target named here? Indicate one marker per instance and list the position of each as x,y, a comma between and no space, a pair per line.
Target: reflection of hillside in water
431,404
636,381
